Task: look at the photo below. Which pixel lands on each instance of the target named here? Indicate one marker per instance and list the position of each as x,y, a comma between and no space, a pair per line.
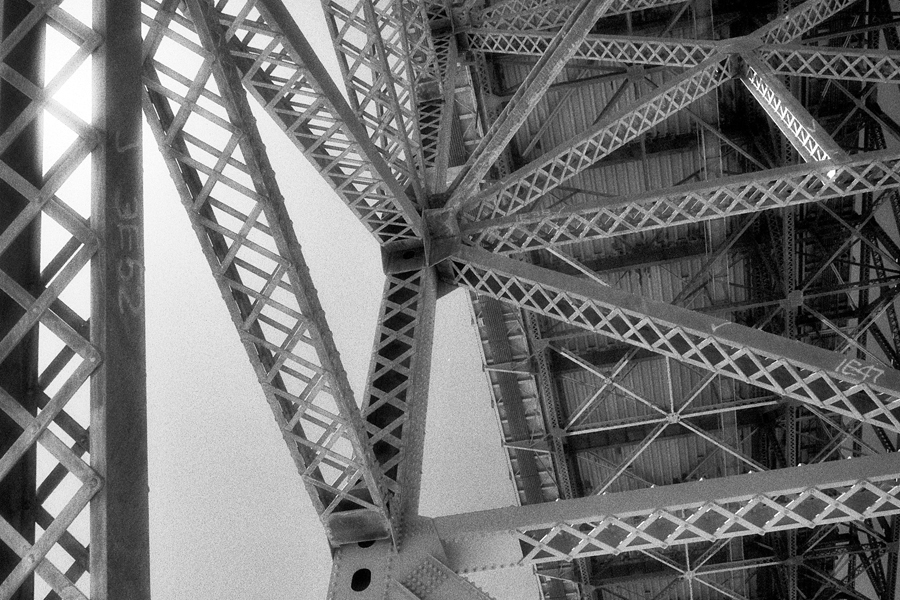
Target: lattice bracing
848,64
825,494
602,48
764,190
372,41
544,14
797,125
823,379
397,389
523,187
281,71
423,50
436,112
207,136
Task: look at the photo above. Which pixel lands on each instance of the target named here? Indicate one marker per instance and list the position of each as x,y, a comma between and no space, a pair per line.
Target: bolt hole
361,580
366,544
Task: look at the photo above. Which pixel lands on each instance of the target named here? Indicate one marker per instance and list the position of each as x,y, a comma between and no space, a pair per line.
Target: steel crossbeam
557,53
373,50
865,65
548,14
521,188
703,511
820,378
791,118
238,214
397,389
280,70
849,64
692,203
633,50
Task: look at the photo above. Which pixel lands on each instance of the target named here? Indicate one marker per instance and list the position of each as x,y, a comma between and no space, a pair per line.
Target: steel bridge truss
774,349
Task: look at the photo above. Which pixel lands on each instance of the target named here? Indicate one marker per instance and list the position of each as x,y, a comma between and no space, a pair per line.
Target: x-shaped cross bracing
390,423
362,466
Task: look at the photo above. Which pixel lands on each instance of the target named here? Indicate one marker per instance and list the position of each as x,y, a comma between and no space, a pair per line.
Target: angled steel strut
238,213
849,387
279,68
395,153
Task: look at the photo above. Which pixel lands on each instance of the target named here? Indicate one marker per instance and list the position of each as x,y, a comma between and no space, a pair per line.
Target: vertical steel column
21,261
120,543
396,396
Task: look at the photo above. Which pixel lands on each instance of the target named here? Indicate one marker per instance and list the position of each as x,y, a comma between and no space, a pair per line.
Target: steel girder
846,64
76,390
397,390
372,40
827,380
632,50
543,14
740,194
827,493
280,69
437,114
788,114
238,214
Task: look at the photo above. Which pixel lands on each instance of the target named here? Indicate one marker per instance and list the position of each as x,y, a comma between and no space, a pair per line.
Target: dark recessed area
361,580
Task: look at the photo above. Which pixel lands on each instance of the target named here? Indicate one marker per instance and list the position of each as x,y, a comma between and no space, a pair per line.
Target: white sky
229,516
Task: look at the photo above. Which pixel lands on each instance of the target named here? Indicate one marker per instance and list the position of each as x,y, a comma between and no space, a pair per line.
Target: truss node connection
601,176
